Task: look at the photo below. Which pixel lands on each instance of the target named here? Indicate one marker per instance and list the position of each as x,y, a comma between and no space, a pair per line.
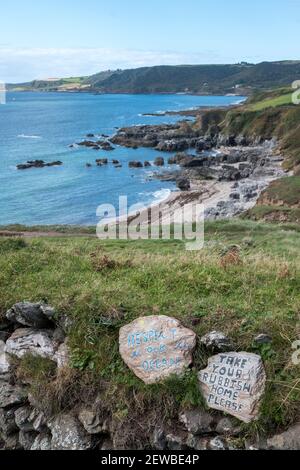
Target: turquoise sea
43,125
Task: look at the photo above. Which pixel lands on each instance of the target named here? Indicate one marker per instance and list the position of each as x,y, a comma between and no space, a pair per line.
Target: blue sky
50,38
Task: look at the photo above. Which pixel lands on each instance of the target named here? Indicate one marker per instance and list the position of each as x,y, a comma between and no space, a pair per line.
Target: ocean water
42,126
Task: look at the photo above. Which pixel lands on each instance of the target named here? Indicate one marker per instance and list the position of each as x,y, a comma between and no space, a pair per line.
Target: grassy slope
258,292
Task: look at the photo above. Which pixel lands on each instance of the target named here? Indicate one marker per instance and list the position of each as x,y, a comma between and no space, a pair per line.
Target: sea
43,126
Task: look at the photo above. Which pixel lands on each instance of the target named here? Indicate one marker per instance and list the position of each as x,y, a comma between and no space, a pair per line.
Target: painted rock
156,347
234,383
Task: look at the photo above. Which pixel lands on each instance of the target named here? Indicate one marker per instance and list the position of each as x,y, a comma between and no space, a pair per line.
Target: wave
157,196
24,136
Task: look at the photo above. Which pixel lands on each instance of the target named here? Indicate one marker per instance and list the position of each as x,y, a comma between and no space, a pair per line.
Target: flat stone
156,347
234,383
33,315
197,443
69,434
27,340
288,440
11,395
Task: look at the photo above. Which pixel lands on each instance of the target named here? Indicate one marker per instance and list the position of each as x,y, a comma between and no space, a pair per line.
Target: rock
33,315
217,341
12,442
5,363
88,165
263,339
197,443
116,162
107,444
93,423
11,395
156,347
217,444
172,161
135,164
183,184
175,442
22,417
36,342
102,161
159,439
42,442
159,161
7,422
234,383
226,427
27,439
37,164
198,422
235,196
68,434
38,420
289,440
62,356
147,164
4,336
90,136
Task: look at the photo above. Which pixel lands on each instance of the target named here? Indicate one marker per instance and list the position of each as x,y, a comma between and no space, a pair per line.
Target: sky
60,38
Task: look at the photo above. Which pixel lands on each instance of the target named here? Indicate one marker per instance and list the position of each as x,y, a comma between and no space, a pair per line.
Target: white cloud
24,64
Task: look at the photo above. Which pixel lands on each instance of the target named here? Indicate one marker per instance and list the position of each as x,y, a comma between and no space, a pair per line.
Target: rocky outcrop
37,164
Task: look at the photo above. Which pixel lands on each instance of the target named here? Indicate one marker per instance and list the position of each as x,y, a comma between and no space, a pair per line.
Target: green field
102,285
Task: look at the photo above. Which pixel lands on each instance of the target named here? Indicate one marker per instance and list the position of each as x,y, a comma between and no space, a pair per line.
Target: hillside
203,79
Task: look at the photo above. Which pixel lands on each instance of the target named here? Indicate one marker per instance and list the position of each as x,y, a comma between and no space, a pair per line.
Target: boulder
23,419
197,443
28,340
159,161
198,422
135,164
11,395
217,444
42,442
92,422
234,383
27,439
288,440
217,341
147,164
7,422
69,434
156,347
32,315
183,184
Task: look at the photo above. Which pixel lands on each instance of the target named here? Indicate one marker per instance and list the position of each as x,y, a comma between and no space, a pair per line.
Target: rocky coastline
226,173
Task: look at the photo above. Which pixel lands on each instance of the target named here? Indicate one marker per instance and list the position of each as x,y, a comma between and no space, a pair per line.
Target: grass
102,285
286,191
282,100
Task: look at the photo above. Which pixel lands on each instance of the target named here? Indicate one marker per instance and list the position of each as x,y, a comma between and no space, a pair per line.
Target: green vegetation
285,191
203,79
102,285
